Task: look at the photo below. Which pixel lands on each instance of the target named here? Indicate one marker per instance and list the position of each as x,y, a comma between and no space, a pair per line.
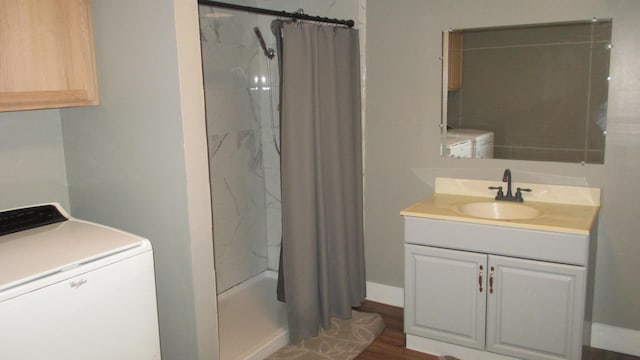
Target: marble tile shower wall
270,116
231,63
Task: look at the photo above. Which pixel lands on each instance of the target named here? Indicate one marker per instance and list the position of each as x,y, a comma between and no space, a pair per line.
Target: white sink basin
499,210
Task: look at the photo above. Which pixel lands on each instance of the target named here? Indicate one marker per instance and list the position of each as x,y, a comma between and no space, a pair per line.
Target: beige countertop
564,213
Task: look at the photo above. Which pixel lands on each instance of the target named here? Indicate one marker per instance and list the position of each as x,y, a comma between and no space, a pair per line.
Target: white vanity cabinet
479,291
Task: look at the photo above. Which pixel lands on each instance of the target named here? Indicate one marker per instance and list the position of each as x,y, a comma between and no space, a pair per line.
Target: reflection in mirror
532,92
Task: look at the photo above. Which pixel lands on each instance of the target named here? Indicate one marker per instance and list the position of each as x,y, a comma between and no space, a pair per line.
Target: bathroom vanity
487,279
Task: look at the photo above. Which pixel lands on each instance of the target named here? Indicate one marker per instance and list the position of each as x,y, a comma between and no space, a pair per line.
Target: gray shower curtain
322,263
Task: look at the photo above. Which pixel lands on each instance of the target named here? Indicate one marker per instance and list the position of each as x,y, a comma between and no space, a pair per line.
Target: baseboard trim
385,294
615,338
441,348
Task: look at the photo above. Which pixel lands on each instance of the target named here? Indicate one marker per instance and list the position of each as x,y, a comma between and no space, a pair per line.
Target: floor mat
344,340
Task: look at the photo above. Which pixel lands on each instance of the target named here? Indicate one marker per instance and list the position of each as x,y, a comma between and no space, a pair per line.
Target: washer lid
41,251
453,142
469,133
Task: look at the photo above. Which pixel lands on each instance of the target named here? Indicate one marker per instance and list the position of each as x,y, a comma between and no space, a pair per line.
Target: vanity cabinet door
46,55
445,295
535,308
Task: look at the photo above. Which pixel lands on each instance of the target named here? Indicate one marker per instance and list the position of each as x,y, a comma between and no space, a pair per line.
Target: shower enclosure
241,80
241,110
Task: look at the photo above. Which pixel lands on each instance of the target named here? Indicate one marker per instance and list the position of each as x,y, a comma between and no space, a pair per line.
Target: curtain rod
300,16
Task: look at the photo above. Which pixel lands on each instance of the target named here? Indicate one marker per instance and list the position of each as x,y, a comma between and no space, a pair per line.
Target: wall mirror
530,92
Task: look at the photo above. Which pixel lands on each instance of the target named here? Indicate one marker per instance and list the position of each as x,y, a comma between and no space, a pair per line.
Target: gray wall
32,167
402,133
138,160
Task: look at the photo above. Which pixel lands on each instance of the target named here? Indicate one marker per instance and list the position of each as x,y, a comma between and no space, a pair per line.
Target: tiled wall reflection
541,89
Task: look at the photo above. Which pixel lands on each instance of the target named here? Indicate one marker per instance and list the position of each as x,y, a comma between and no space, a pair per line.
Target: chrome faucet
506,177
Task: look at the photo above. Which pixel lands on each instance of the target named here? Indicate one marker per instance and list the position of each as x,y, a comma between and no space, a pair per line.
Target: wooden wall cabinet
47,57
455,60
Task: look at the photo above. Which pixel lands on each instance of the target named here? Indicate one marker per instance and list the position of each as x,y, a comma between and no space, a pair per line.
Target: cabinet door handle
480,278
491,281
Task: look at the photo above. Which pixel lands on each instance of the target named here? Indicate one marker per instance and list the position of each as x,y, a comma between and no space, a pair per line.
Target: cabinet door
46,54
535,309
455,60
445,295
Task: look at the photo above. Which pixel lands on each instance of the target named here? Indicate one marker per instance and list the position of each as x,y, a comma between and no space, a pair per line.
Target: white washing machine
74,290
459,148
482,141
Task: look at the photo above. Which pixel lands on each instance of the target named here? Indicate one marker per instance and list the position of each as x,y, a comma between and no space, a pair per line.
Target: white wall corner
385,294
612,338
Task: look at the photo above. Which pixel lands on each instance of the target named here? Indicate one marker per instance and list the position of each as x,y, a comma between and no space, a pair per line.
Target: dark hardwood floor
390,345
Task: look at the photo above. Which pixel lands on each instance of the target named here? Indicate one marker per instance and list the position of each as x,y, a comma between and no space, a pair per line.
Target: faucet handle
518,195
500,194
